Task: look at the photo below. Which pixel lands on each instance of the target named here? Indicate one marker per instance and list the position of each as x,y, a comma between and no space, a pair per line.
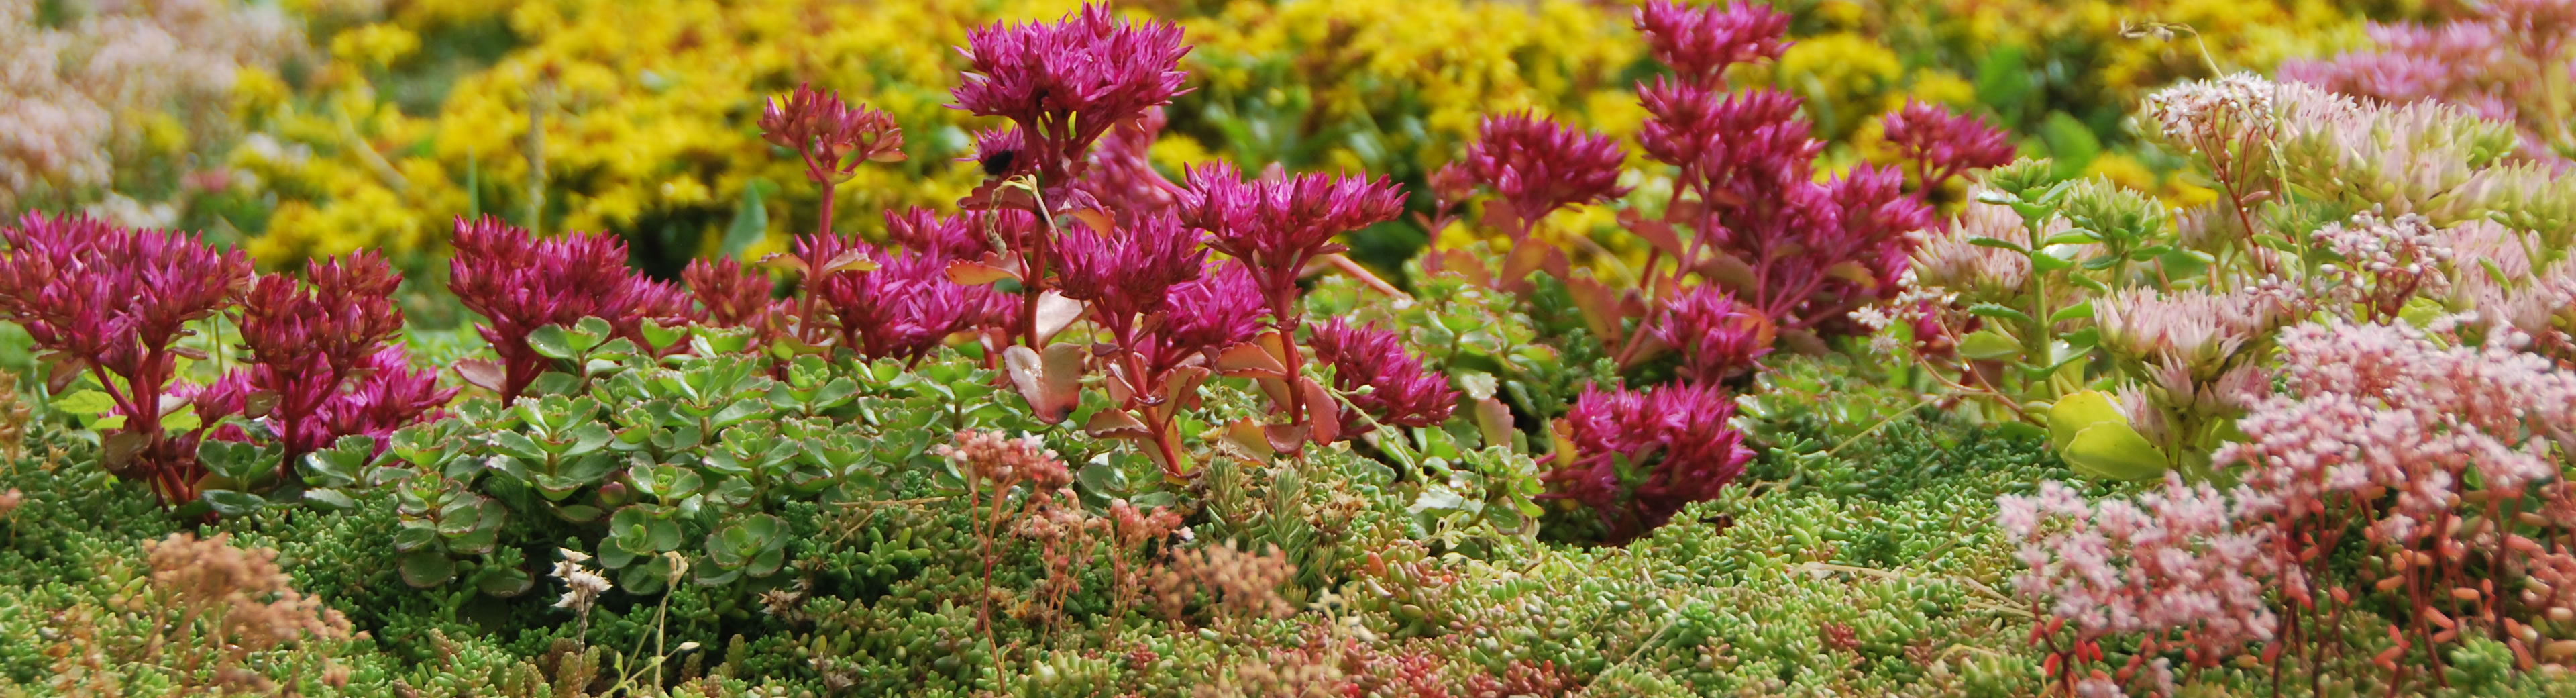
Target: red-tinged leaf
1181,386
1276,389
886,156
482,373
1726,199
192,353
1465,265
258,403
1554,263
1686,210
1116,424
1093,217
116,451
783,262
1525,259
1599,303
1052,383
62,375
854,259
978,273
1656,233
1729,272
1056,312
1120,391
1499,216
1286,438
1241,439
1560,437
1495,420
1249,359
1649,347
1323,415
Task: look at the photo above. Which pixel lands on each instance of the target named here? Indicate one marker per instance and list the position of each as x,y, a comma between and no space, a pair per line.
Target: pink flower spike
1943,145
113,302
1127,272
1276,224
1677,434
1220,309
1717,337
831,135
1699,42
730,294
1064,84
1540,165
903,309
1401,392
519,283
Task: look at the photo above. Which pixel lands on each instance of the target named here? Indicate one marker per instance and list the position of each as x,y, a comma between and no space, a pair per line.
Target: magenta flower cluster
1539,165
1718,338
1220,309
1943,145
1277,224
113,303
902,309
1064,85
1384,383
325,358
1128,273
733,295
1700,42
519,283
1648,453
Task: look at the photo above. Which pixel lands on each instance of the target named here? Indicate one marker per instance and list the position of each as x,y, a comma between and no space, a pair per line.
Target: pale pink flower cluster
2373,407
2200,331
989,456
69,95
2496,279
2386,262
1945,259
2204,114
2172,563
2431,158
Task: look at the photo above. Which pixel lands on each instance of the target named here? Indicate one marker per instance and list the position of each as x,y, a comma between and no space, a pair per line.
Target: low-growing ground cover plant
1951,421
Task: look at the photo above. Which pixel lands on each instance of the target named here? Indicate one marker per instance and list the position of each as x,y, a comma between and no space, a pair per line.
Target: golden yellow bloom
374,44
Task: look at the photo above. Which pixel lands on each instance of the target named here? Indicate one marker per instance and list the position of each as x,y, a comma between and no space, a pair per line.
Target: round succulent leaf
2114,451
425,568
2079,411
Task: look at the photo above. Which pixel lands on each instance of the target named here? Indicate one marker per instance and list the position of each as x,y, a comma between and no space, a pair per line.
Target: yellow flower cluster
1401,85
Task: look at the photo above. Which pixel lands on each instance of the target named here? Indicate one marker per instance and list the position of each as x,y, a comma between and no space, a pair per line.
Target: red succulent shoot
1399,391
1699,42
1539,165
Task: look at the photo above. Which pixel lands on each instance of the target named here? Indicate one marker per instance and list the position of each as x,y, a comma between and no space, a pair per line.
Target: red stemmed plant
112,303
1063,85
832,137
520,283
323,362
1276,225
1126,276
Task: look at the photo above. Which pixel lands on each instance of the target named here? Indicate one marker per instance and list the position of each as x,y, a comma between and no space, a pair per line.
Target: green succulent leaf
2114,451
